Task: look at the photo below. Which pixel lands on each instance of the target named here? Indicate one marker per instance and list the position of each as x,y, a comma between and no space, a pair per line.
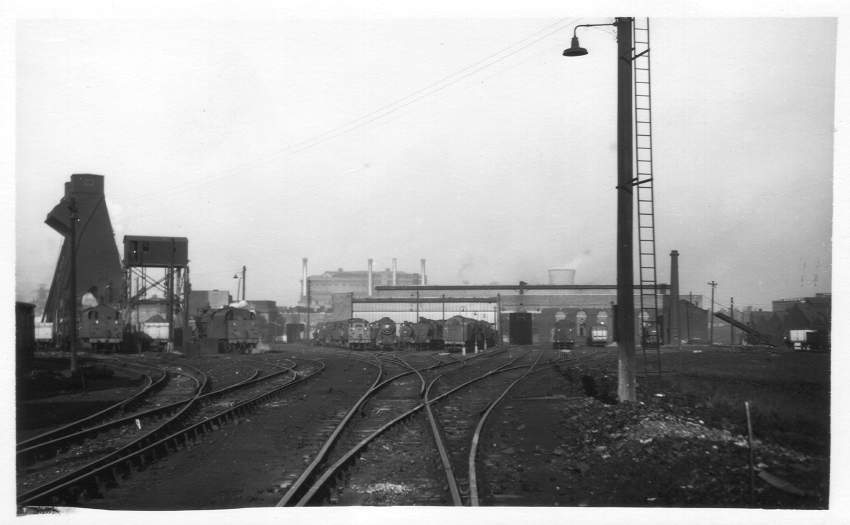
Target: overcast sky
470,142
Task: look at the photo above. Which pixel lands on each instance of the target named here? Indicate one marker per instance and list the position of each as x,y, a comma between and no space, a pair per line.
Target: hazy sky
470,142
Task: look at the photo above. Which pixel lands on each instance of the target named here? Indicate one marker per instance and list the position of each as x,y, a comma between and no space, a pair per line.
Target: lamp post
625,179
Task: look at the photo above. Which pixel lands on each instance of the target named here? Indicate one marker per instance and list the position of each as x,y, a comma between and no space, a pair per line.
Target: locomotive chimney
423,280
369,282
304,277
395,270
675,333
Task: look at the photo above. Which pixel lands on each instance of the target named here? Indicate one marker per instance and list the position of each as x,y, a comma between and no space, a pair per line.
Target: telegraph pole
713,285
626,390
243,283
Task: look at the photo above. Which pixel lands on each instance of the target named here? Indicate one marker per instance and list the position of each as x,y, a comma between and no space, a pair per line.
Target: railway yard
305,425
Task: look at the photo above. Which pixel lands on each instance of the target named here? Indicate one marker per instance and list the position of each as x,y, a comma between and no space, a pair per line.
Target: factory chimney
304,277
395,270
423,279
369,284
675,332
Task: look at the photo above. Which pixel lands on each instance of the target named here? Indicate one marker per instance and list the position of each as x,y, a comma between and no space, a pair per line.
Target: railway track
193,417
387,426
153,379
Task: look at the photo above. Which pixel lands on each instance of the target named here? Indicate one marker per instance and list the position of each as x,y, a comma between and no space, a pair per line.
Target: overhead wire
385,110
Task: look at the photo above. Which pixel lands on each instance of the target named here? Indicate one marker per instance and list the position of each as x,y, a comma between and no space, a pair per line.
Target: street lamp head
575,50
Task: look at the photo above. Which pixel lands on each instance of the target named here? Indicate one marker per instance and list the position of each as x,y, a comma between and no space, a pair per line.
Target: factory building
584,306
325,285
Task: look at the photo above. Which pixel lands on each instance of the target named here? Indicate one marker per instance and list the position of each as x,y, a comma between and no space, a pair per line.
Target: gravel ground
547,444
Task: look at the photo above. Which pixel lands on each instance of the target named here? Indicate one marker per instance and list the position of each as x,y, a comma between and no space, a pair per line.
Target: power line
385,110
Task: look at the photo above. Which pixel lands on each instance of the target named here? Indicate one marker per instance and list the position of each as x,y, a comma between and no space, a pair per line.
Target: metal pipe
304,277
423,279
675,321
395,270
308,334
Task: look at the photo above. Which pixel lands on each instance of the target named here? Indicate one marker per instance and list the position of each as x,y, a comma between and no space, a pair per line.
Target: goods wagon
358,334
24,335
563,335
459,332
101,328
44,335
598,335
427,334
228,329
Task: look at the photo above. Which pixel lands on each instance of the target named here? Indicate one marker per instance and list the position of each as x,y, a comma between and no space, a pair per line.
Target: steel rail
150,386
253,378
473,449
100,476
52,485
348,455
103,427
320,455
441,447
87,432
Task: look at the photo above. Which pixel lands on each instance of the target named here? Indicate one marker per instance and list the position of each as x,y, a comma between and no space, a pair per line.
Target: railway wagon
320,334
485,335
101,328
563,335
338,331
44,335
598,335
427,334
228,329
156,333
25,343
459,332
384,330
358,333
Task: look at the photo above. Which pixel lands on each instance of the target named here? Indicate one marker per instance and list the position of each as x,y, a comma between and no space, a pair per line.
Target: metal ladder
644,180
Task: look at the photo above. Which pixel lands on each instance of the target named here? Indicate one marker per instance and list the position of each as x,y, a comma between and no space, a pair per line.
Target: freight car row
103,328
457,332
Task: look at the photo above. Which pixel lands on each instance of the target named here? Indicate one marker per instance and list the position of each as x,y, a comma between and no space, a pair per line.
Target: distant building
325,285
200,300
583,306
821,301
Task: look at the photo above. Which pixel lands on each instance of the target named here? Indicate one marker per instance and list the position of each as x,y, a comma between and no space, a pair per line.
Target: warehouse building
584,306
360,283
